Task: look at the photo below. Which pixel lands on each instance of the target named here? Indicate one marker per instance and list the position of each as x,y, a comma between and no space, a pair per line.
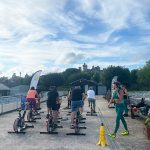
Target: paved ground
135,141
33,140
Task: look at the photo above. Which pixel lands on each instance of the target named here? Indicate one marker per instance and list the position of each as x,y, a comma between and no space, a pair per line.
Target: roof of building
83,82
3,87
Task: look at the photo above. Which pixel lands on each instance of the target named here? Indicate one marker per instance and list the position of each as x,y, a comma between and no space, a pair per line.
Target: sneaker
72,126
47,116
125,115
112,135
125,133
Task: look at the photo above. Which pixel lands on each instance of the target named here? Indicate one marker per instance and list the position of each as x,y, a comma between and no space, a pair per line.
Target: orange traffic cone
102,137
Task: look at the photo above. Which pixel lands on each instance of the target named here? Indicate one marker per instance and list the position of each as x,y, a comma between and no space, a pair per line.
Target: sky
53,35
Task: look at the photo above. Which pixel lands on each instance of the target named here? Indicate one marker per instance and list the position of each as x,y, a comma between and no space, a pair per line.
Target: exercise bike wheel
17,125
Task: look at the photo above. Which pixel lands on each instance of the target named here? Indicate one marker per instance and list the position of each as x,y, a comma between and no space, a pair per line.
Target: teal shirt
116,96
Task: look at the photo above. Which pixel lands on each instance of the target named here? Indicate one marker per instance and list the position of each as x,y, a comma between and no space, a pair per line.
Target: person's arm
69,96
60,100
111,101
36,95
83,96
126,92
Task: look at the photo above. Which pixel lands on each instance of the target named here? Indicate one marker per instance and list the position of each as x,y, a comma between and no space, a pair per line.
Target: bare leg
55,114
72,117
81,110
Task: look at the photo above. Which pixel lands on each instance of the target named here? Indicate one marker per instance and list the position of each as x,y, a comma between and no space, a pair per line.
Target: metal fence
11,103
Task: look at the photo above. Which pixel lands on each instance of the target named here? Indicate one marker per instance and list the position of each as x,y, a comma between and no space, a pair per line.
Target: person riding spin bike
91,98
53,104
32,95
76,103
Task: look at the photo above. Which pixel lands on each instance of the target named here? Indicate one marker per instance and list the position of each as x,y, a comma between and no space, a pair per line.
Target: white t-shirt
91,94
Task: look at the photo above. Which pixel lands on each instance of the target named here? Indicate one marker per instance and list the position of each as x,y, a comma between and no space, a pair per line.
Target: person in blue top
117,98
23,102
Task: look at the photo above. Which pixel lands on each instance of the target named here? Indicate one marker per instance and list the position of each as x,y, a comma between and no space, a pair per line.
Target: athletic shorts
91,99
75,105
32,103
53,106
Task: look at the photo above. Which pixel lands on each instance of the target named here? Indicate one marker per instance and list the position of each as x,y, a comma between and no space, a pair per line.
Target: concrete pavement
33,140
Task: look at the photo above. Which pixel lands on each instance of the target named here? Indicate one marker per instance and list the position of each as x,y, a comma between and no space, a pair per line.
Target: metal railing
11,103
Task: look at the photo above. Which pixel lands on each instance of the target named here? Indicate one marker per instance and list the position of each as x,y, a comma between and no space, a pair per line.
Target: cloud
70,58
52,35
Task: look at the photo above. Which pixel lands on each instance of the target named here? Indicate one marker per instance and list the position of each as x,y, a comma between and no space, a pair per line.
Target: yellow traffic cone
102,137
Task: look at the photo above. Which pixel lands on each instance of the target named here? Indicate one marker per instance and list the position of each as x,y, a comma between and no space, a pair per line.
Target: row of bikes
20,124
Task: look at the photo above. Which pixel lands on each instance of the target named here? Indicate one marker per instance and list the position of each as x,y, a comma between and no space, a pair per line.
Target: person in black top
53,103
125,100
141,103
138,107
76,102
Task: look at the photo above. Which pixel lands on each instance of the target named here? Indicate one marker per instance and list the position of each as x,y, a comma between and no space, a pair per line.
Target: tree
5,81
78,76
133,79
51,79
69,72
15,80
96,77
122,73
27,79
144,76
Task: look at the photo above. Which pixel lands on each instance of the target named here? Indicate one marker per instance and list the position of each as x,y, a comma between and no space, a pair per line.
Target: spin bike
19,124
77,128
31,115
92,112
50,125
